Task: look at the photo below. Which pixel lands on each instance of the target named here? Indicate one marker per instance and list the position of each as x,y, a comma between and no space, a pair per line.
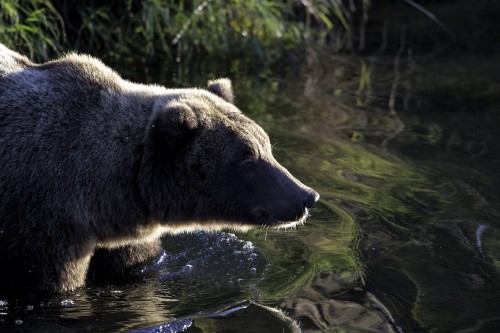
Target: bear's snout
311,198
288,210
283,200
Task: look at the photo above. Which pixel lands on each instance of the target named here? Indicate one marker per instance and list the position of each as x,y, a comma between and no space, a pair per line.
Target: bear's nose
311,199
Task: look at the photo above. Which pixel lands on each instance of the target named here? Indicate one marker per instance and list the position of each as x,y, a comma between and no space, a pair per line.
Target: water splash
479,233
173,327
207,261
67,302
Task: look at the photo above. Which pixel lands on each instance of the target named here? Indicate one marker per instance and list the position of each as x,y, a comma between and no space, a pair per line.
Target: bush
172,30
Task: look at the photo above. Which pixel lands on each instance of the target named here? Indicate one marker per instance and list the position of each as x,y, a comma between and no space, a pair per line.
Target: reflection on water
412,195
404,239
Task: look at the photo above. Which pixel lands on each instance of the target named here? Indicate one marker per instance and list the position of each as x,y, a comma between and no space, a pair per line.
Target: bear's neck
129,111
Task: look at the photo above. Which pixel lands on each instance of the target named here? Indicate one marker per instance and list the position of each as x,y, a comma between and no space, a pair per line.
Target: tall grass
34,27
176,30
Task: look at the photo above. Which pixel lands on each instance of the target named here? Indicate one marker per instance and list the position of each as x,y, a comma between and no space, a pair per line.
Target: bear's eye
248,163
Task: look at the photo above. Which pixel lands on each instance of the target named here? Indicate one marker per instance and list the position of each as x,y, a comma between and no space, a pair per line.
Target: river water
405,238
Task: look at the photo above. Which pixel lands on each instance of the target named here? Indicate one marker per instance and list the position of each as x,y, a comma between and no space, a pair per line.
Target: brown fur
89,160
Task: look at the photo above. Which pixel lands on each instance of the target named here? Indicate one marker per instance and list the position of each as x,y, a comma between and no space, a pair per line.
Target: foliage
34,27
173,30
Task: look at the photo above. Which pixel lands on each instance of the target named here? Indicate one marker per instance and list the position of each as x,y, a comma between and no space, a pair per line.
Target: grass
176,31
35,27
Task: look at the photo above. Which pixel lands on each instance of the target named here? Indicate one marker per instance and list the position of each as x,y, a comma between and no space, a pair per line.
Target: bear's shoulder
91,71
11,62
71,69
74,66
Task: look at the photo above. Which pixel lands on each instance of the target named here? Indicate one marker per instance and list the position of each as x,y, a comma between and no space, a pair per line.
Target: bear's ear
171,127
222,88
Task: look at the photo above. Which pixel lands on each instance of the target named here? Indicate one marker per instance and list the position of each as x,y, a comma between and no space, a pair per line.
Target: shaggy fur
89,160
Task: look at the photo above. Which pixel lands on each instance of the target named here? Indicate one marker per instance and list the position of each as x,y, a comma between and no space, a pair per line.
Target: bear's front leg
74,272
118,263
45,268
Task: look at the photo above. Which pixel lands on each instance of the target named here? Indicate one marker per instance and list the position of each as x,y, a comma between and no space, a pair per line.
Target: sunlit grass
32,27
175,31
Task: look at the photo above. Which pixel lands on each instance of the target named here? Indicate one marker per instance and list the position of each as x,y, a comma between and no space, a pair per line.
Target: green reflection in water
353,182
400,212
322,245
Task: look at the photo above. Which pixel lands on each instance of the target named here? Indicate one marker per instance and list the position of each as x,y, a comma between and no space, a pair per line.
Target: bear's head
206,164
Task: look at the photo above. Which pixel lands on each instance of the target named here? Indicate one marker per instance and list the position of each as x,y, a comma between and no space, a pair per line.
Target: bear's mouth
267,220
285,225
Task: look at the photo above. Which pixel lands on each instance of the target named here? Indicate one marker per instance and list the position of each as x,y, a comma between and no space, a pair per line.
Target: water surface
405,237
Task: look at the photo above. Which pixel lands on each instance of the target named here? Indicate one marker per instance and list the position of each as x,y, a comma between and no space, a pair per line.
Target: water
409,205
405,237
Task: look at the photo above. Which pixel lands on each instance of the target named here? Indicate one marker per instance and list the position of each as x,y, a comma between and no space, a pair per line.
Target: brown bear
91,163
